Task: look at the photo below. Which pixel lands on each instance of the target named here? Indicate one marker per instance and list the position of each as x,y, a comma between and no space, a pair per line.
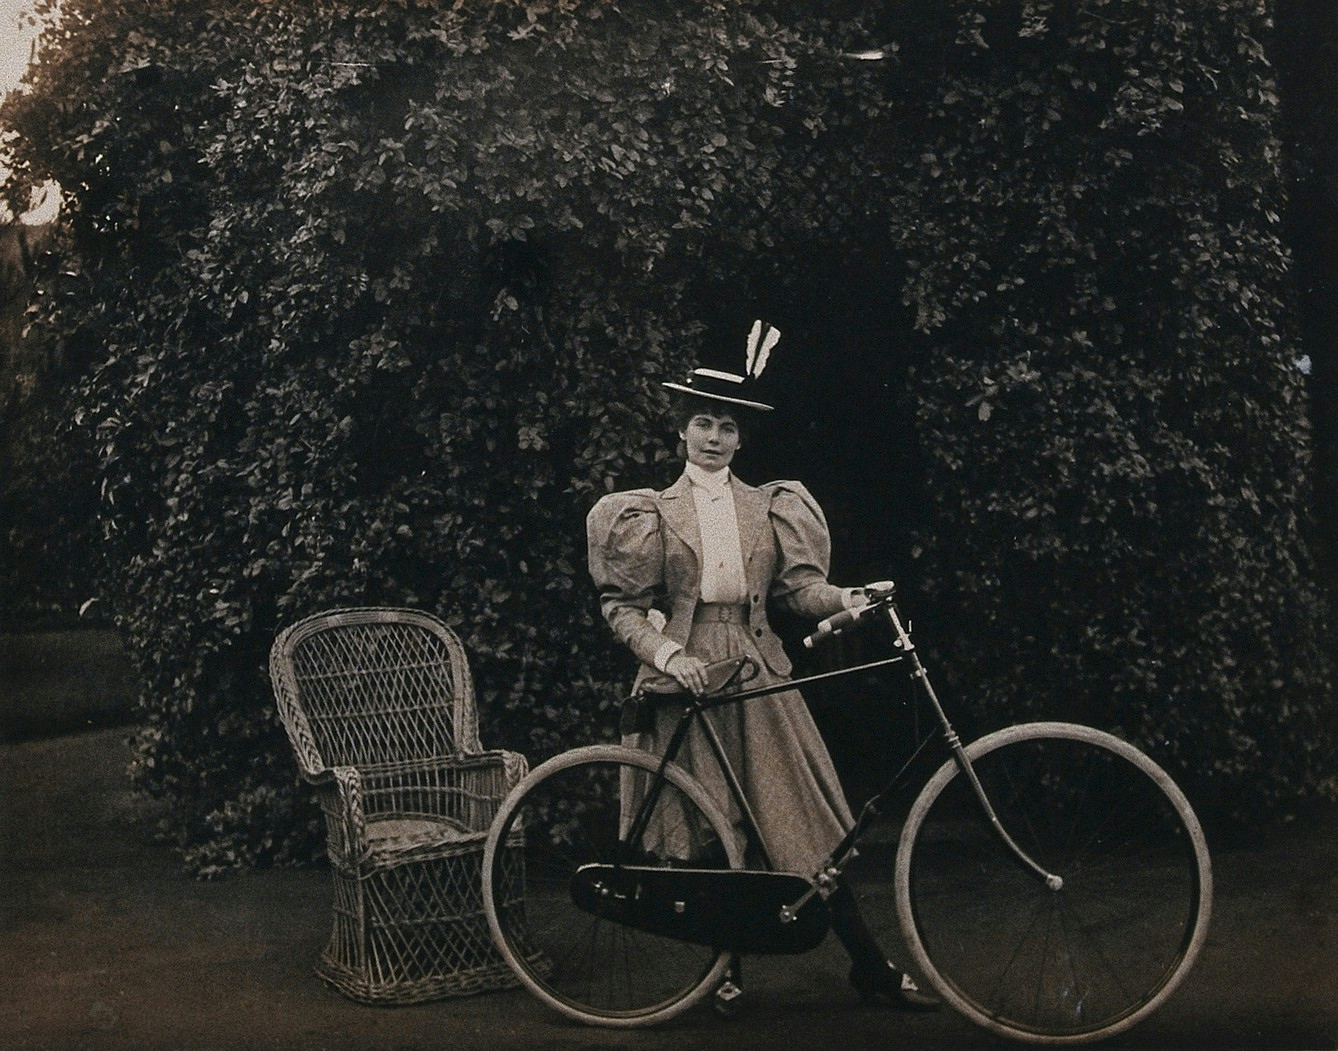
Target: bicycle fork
903,642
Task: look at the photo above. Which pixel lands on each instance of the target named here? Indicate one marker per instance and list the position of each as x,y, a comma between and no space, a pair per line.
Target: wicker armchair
379,707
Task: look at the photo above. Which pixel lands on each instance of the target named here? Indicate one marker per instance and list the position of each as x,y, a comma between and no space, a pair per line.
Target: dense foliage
372,299
1114,400
1305,42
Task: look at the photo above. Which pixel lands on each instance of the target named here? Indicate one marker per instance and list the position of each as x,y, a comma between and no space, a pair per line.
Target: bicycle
1051,881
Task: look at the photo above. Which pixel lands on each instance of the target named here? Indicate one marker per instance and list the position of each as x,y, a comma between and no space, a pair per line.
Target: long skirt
776,753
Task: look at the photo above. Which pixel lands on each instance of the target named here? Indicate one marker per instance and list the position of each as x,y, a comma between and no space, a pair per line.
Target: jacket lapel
679,512
751,507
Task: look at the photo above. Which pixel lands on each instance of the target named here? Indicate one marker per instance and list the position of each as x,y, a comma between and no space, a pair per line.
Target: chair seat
401,835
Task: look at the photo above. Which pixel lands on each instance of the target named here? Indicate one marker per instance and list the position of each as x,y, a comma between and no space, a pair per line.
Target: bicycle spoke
996,995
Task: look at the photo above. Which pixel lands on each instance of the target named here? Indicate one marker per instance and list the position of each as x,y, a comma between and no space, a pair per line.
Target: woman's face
711,439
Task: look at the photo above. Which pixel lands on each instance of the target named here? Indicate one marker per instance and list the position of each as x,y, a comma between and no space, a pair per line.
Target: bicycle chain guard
736,910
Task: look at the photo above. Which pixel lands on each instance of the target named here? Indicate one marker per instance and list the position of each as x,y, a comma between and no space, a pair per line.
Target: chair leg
413,932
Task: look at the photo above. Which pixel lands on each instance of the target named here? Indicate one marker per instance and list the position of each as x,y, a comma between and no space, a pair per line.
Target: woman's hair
684,407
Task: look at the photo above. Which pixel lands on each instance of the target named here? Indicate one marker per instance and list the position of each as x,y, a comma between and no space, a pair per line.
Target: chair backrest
370,687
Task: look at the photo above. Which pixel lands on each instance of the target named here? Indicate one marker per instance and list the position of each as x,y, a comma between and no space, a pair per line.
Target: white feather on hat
728,386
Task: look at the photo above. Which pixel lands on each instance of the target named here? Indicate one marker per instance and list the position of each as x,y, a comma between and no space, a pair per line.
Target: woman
684,577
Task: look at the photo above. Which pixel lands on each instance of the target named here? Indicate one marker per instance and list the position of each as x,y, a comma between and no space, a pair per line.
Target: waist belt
720,613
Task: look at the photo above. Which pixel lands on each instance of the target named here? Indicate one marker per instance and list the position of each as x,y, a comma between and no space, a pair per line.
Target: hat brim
697,392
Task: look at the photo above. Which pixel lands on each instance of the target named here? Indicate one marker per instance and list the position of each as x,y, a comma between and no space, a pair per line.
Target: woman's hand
688,672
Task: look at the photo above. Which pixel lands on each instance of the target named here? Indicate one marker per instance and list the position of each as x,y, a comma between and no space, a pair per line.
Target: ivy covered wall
371,303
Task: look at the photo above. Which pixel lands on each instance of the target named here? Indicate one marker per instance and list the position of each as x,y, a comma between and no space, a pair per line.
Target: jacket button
758,632
756,598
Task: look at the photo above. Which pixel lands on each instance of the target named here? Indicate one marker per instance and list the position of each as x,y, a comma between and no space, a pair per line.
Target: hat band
719,386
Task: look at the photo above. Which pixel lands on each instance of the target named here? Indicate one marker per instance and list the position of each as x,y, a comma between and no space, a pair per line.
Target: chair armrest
466,790
517,766
340,794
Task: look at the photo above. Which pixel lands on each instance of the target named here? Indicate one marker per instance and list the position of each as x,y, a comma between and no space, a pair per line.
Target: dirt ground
105,945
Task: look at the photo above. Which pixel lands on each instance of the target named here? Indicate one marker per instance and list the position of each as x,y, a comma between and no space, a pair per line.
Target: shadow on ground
105,945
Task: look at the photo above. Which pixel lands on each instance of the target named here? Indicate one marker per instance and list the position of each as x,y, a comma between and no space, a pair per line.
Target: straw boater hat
729,387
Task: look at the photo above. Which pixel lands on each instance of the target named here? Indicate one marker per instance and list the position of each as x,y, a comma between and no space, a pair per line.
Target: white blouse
723,579
722,555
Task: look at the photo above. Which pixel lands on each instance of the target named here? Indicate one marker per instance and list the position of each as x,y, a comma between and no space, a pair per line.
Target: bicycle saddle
638,714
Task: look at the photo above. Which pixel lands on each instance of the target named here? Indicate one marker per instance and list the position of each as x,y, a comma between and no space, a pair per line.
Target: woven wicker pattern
379,707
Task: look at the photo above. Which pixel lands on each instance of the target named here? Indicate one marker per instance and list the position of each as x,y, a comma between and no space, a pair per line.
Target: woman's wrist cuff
853,597
664,654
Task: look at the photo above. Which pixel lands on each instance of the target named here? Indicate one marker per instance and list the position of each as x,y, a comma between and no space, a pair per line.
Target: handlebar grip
833,624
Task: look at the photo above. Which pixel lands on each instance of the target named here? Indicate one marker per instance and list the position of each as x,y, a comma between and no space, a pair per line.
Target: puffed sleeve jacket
645,555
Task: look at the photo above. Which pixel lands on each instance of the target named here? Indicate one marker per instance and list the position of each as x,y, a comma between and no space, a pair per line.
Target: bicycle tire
1045,966
564,814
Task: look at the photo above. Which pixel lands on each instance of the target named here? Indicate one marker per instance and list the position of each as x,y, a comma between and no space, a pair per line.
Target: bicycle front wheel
574,810
1054,966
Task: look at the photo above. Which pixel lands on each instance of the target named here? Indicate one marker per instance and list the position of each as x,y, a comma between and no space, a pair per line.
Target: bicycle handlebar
834,625
880,595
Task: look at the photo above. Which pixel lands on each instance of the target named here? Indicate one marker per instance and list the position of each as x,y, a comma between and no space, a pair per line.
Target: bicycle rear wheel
1080,963
565,814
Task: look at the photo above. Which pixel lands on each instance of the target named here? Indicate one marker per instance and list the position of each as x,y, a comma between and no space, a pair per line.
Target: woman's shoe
890,986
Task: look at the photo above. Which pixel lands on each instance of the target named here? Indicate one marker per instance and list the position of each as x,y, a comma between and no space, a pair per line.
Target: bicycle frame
824,881
629,914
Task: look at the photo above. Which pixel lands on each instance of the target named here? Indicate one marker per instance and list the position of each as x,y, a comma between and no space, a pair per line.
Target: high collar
714,482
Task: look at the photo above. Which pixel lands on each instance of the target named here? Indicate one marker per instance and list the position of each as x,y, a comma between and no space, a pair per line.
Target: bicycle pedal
727,997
